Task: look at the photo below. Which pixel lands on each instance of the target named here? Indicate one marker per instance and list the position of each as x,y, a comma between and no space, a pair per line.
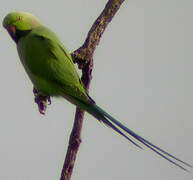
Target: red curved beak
11,30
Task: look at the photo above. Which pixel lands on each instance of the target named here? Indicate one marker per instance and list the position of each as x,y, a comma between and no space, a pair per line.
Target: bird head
19,23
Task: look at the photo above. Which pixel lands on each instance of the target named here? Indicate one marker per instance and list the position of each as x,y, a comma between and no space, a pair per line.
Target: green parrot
52,72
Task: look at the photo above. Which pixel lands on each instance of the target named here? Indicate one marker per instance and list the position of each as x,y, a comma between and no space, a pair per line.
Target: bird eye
19,18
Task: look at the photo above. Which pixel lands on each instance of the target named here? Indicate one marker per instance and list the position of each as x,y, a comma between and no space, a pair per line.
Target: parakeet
52,72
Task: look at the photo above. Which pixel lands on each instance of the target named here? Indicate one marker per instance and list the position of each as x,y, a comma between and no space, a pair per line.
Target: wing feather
50,66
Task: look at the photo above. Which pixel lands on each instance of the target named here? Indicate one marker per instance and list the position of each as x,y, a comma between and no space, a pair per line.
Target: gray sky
143,75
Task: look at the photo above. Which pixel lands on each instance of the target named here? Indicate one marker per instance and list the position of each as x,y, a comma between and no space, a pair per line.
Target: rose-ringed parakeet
52,72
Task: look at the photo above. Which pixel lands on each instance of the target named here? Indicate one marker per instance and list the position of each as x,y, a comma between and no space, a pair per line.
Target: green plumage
50,66
51,70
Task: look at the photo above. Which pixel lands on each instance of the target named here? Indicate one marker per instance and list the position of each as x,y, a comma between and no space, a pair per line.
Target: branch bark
84,58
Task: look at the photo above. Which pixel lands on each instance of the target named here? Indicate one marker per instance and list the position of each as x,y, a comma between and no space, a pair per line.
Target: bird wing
50,66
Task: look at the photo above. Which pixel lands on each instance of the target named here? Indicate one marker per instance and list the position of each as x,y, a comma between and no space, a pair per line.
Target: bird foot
41,100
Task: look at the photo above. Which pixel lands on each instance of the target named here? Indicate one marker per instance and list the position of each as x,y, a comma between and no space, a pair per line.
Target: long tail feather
107,119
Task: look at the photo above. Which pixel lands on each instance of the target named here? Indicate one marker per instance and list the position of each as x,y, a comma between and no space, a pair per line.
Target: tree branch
84,58
85,53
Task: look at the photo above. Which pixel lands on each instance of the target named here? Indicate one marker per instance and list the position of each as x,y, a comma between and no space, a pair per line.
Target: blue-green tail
107,119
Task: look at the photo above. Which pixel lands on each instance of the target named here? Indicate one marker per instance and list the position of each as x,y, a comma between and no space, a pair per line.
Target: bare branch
85,53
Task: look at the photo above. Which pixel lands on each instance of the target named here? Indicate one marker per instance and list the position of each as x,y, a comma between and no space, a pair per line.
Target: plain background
143,75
